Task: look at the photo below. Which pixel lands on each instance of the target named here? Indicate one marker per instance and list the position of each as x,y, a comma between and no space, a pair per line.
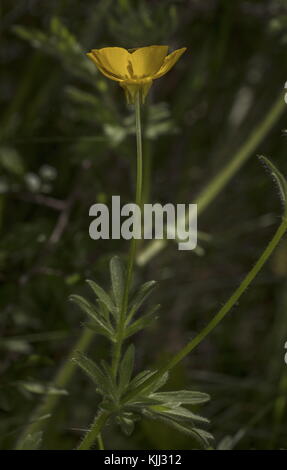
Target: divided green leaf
99,323
143,322
94,372
140,297
201,436
126,369
179,413
140,378
103,297
117,278
156,384
188,397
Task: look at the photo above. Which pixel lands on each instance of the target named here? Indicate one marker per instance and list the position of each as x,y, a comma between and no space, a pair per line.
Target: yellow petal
113,60
146,61
101,68
169,62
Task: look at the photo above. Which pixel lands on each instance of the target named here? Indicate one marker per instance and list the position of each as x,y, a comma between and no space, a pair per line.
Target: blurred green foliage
67,141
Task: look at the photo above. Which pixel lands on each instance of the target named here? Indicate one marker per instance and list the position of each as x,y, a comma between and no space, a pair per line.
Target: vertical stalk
133,248
280,232
95,430
223,177
205,198
102,417
101,442
231,301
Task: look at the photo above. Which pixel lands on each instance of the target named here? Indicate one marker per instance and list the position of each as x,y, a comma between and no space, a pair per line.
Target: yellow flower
135,69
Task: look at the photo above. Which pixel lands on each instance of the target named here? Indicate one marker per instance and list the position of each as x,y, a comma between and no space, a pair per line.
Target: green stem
245,151
101,442
205,198
222,312
232,300
133,248
95,430
147,169
222,178
101,419
139,151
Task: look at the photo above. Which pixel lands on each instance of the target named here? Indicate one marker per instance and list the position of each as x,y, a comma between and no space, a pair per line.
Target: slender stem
101,419
139,151
245,151
205,198
101,442
232,300
133,248
147,169
222,312
95,430
223,177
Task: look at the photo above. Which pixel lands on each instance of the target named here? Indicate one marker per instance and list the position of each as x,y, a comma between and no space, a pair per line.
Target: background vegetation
67,141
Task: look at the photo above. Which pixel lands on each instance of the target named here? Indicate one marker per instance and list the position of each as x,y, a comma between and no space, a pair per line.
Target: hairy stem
101,442
222,312
223,177
207,196
101,419
133,248
95,430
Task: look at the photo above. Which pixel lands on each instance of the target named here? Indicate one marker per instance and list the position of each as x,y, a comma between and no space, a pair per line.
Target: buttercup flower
135,69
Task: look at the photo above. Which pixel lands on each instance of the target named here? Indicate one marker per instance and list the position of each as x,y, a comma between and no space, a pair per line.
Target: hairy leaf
143,321
187,397
126,368
90,310
117,278
156,384
100,331
178,413
103,297
94,372
200,435
140,297
141,378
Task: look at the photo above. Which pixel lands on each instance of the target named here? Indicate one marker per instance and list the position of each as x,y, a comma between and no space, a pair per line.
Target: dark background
67,141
